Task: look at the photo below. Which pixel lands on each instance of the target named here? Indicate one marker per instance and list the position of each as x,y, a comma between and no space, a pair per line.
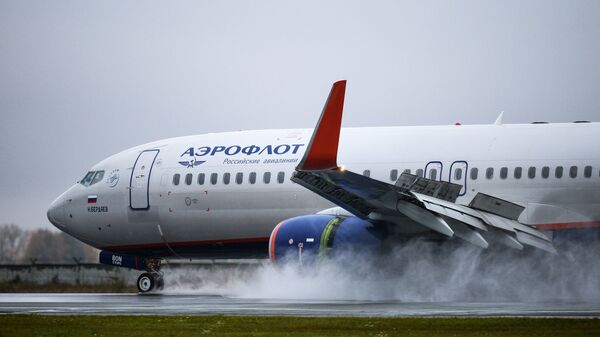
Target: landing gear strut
152,280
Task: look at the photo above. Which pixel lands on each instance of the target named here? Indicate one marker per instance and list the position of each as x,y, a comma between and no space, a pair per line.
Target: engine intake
313,237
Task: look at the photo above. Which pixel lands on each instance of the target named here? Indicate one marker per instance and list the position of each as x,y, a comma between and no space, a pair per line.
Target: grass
171,326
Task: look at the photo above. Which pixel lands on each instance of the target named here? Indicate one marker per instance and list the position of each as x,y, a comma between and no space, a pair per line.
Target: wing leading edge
429,203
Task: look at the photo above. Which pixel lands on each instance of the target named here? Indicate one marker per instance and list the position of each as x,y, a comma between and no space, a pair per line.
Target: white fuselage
135,204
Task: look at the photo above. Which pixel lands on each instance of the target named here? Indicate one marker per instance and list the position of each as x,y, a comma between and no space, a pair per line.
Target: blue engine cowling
310,237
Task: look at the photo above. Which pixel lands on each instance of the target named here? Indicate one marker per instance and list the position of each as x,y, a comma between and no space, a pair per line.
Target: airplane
304,194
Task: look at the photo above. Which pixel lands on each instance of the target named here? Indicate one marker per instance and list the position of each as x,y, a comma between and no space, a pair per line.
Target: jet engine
309,238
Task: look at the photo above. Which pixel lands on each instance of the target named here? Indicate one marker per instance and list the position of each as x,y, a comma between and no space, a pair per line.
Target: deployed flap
466,233
452,210
424,217
495,235
433,188
321,153
496,206
535,242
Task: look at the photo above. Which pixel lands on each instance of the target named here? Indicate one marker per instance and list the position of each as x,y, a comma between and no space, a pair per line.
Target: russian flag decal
92,199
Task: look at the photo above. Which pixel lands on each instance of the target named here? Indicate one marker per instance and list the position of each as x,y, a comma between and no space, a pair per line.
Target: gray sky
81,80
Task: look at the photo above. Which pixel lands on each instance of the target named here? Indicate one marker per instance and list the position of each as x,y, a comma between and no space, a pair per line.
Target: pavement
194,304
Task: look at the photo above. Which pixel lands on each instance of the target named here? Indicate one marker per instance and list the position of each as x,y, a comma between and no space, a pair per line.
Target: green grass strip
172,326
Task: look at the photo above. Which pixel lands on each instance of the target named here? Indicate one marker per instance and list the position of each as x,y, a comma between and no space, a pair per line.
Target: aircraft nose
56,213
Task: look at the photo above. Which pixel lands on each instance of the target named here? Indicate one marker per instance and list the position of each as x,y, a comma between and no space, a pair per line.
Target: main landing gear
152,280
148,282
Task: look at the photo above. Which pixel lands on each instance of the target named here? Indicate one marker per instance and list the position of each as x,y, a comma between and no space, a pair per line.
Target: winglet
321,153
499,119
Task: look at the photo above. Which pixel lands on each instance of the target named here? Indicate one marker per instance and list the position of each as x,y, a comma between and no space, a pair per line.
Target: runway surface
193,304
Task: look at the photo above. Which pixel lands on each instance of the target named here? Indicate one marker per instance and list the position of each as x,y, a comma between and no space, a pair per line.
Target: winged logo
191,163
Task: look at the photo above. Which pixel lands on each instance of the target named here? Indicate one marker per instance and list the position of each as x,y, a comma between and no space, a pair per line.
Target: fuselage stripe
187,243
569,225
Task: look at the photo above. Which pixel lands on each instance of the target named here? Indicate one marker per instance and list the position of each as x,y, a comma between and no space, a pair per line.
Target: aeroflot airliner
290,194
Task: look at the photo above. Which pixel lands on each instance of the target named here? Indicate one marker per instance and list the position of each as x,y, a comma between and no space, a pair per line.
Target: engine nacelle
310,237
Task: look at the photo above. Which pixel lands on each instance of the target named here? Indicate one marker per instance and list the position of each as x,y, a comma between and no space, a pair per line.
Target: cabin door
139,184
433,170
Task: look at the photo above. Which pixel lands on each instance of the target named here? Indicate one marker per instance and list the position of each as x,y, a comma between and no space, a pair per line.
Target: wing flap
502,238
424,217
426,202
466,233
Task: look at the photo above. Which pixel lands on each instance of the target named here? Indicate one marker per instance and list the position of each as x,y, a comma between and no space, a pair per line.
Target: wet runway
193,304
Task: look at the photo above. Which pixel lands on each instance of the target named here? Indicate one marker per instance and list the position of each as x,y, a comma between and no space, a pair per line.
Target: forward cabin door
139,184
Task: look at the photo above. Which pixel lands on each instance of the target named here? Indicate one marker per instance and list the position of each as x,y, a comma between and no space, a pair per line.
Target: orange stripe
188,243
272,242
569,225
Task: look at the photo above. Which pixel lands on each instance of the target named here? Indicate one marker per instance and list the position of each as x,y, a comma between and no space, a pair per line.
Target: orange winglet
321,153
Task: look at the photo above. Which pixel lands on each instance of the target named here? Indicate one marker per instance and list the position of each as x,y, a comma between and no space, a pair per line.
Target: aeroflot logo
192,153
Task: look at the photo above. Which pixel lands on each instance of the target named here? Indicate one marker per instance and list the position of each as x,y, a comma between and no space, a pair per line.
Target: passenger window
573,172
267,177
503,172
87,179
394,175
406,171
458,174
518,172
587,172
419,173
280,177
367,173
226,178
239,178
433,174
489,173
474,173
545,172
176,177
214,177
252,177
531,172
558,172
201,179
188,179
100,174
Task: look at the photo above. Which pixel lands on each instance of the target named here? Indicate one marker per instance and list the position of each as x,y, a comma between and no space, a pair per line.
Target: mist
418,271
82,80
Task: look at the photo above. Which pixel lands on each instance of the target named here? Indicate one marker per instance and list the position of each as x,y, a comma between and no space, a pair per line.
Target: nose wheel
148,282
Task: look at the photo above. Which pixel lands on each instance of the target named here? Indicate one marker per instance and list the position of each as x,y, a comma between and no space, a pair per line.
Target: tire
145,283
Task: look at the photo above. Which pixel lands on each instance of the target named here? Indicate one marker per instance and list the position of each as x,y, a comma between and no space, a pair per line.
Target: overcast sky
81,80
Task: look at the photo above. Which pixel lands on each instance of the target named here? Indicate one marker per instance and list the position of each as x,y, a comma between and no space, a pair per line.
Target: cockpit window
98,177
87,180
92,177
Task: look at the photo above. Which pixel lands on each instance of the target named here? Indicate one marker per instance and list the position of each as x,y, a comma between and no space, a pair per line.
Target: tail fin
321,153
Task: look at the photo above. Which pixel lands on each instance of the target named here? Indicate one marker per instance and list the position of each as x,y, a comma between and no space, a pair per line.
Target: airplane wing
428,203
